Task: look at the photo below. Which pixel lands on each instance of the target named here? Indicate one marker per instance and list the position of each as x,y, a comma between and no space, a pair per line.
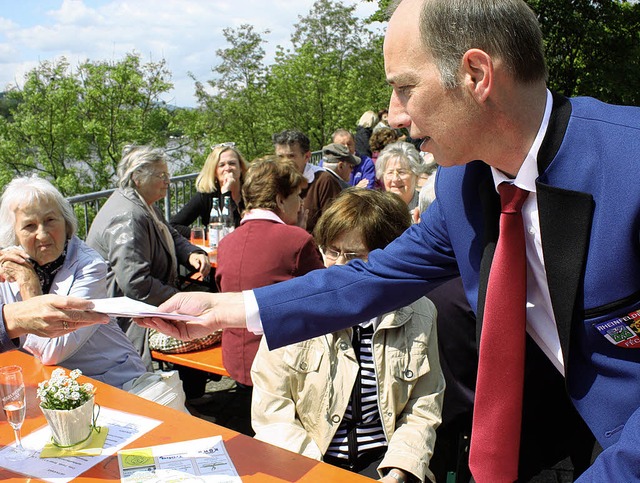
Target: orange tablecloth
254,460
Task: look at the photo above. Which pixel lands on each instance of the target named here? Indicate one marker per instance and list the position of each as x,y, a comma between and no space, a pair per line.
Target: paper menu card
124,428
127,307
201,460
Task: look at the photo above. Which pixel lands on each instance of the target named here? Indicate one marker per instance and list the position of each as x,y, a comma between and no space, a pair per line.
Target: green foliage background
70,124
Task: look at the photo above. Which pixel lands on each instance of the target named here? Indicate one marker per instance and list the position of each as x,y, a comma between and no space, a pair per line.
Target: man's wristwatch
397,476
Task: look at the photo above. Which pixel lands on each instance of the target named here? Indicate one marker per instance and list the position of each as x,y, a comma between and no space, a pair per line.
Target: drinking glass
14,405
197,235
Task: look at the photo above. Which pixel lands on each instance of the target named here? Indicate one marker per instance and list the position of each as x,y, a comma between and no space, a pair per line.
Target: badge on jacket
622,331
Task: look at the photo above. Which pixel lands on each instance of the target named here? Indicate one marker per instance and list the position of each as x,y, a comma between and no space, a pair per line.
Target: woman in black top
222,175
363,132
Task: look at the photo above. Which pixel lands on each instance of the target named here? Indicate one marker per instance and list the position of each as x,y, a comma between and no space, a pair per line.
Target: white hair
137,160
31,190
405,152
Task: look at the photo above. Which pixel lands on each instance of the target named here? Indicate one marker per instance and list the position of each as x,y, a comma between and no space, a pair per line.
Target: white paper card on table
202,460
127,307
123,429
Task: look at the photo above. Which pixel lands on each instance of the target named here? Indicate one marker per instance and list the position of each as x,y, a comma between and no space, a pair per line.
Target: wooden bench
207,360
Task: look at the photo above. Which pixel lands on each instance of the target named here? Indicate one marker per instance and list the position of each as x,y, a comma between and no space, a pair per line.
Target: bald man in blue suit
476,93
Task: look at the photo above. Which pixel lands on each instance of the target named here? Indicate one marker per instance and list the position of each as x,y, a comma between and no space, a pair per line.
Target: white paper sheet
201,460
123,429
127,307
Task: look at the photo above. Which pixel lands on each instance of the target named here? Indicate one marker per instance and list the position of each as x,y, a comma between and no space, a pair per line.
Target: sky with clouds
186,33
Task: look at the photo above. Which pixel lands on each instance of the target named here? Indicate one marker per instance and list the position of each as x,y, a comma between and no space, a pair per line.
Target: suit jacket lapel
565,227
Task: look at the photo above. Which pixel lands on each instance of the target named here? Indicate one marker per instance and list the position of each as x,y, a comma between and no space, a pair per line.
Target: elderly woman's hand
24,275
50,316
200,261
16,267
14,254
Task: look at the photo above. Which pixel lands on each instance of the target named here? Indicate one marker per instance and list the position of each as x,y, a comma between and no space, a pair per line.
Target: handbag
170,345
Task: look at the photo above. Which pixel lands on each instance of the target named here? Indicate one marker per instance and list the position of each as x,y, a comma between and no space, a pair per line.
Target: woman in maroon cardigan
267,248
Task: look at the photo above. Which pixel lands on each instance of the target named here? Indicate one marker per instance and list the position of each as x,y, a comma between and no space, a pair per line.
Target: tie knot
511,197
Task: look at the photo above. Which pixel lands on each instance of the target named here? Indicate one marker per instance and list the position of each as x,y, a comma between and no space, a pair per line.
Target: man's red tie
497,416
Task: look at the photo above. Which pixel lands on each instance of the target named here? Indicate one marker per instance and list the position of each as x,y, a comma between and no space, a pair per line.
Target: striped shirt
362,416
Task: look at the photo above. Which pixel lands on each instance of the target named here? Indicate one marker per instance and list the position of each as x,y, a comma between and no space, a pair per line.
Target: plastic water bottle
216,226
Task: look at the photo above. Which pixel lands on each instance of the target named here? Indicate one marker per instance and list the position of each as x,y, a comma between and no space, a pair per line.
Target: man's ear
478,73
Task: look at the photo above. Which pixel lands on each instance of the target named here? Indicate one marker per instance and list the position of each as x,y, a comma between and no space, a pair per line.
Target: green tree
120,104
382,14
233,103
6,105
69,126
332,75
592,47
44,134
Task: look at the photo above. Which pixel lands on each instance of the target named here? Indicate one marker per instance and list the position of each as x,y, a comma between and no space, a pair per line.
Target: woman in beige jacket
367,398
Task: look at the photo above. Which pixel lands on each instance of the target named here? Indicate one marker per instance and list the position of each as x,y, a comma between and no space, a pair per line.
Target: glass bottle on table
227,216
14,405
215,224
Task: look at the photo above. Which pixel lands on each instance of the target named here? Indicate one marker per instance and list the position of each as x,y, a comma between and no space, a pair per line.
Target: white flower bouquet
68,407
64,392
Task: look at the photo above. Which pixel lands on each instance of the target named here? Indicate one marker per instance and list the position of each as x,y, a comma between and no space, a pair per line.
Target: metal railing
316,156
181,189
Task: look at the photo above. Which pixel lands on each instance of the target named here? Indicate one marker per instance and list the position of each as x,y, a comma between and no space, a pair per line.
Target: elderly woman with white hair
41,255
398,167
142,249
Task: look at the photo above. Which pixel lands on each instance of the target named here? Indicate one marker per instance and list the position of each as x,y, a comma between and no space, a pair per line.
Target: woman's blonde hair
207,181
368,119
268,177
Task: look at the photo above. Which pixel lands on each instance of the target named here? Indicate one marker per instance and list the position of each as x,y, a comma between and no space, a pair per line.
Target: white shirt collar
528,173
259,214
310,171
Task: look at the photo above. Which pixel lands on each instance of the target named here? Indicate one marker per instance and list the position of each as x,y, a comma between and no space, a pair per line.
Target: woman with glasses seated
267,248
367,398
398,167
143,251
221,176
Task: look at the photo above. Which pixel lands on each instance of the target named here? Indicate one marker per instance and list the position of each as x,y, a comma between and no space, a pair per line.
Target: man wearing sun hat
338,161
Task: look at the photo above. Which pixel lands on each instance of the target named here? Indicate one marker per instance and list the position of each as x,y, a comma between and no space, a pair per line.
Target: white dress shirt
541,323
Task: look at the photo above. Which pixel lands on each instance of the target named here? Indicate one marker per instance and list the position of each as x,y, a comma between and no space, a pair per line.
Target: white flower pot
70,427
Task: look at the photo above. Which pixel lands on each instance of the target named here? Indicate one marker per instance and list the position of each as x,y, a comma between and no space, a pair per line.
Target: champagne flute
14,405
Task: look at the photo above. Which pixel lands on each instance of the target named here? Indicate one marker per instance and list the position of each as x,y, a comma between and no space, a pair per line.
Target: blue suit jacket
366,169
589,207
